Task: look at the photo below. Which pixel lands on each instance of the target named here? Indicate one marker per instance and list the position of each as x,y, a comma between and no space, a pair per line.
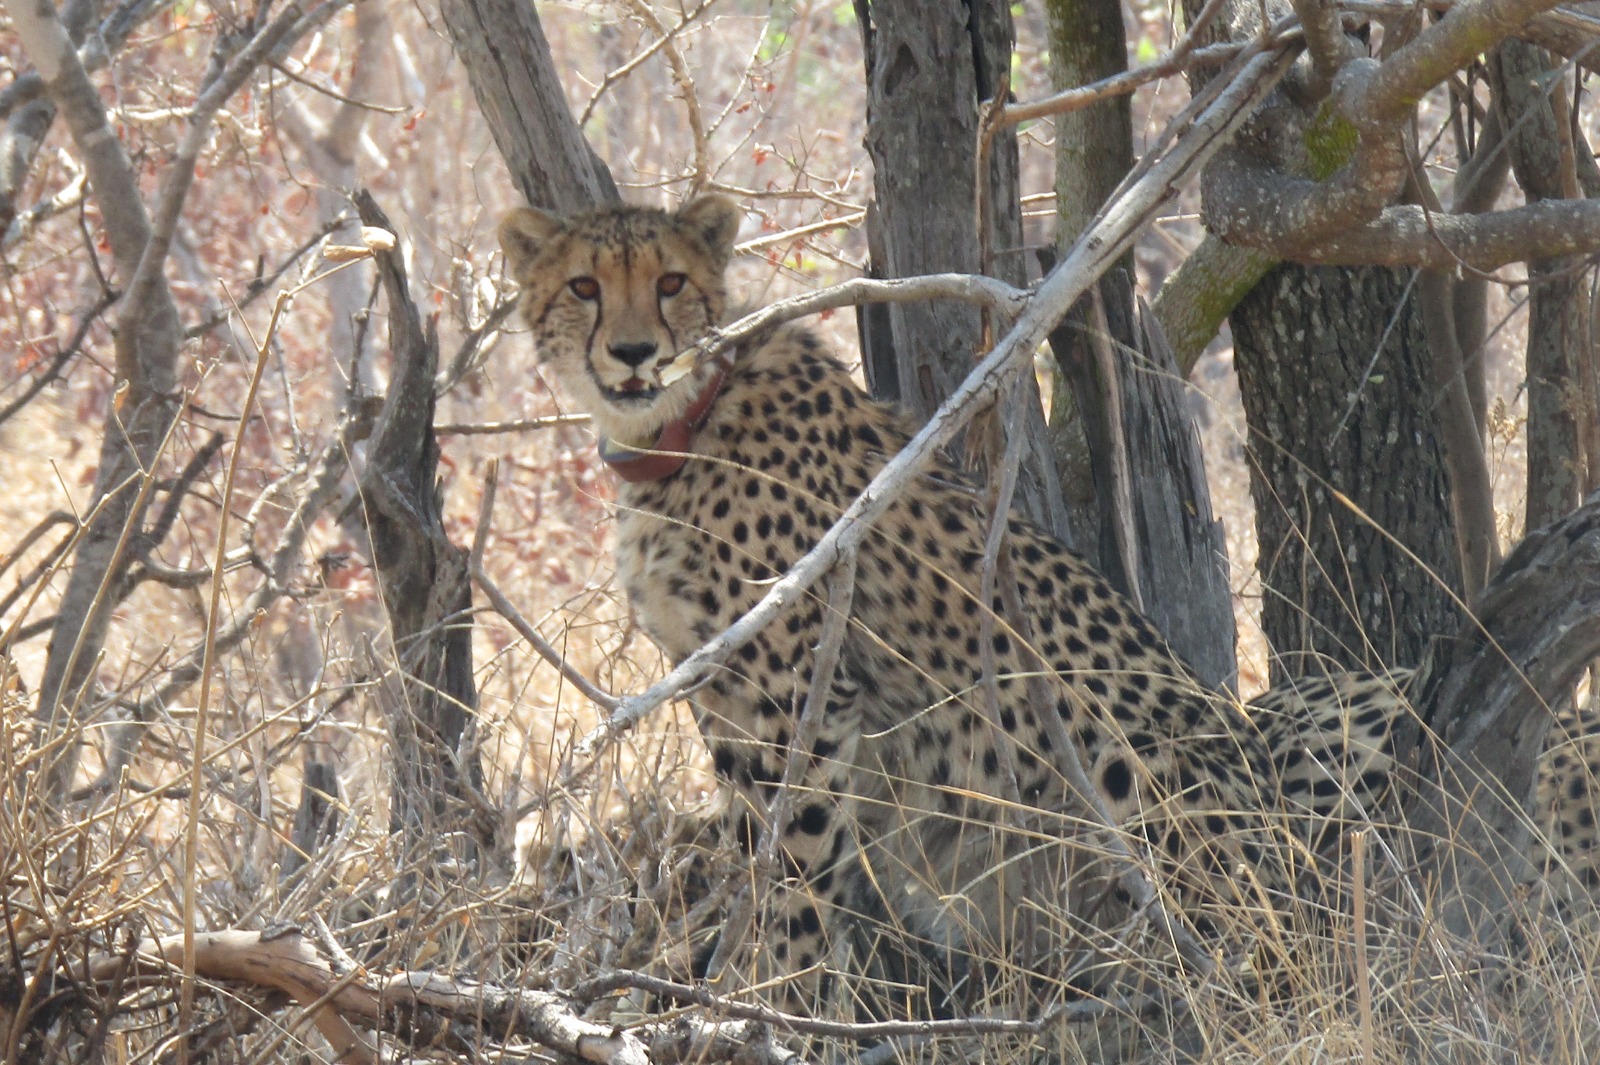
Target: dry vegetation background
777,89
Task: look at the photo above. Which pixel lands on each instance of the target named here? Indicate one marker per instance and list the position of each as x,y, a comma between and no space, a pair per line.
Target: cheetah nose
633,354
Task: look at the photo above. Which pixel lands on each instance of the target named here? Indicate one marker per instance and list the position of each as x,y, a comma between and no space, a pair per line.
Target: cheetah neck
672,447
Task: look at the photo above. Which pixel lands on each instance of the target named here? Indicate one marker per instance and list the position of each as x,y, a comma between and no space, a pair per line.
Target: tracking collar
671,450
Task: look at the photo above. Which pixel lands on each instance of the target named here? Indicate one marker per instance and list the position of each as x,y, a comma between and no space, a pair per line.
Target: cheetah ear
715,220
524,232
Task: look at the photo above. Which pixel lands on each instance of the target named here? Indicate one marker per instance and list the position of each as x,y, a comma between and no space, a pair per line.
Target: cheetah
941,763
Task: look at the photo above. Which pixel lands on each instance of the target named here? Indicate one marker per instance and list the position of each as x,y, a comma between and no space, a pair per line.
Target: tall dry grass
617,864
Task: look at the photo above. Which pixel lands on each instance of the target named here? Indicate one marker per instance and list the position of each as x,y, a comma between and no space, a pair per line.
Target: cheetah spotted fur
925,790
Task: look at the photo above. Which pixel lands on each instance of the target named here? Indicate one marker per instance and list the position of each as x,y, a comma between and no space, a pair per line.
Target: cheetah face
613,295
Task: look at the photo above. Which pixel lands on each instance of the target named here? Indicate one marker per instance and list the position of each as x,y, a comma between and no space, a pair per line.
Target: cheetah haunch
933,799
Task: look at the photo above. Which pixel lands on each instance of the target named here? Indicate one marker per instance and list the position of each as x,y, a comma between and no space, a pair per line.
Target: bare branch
47,43
643,11
261,283
59,362
1325,43
229,74
1563,30
322,476
337,997
473,348
521,425
1180,57
662,41
1407,235
1250,202
1383,94
969,288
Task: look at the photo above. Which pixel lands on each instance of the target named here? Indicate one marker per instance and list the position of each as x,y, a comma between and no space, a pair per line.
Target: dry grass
596,874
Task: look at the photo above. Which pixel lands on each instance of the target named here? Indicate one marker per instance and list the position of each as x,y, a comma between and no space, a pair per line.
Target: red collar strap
671,450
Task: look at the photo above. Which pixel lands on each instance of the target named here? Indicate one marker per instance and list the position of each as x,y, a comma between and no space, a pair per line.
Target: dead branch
968,288
426,589
148,339
662,40
419,1007
857,1031
257,286
685,83
323,475
1179,58
59,361
227,76
46,565
474,348
521,425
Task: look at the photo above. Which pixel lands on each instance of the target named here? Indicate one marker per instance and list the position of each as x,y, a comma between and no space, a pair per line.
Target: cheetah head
613,295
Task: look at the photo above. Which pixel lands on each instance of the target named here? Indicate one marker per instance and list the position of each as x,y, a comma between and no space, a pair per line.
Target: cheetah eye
585,288
670,285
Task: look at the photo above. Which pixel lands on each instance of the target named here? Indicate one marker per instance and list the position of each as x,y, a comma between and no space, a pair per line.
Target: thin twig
520,425
208,655
506,609
645,13
73,345
662,40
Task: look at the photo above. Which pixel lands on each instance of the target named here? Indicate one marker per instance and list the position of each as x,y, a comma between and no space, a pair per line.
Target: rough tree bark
1123,437
929,64
1334,370
1094,152
1542,147
508,62
429,701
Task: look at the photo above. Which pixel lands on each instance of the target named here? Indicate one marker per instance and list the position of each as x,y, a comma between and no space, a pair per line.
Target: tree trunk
148,340
1541,143
430,699
1121,431
929,64
1094,152
1334,370
503,48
